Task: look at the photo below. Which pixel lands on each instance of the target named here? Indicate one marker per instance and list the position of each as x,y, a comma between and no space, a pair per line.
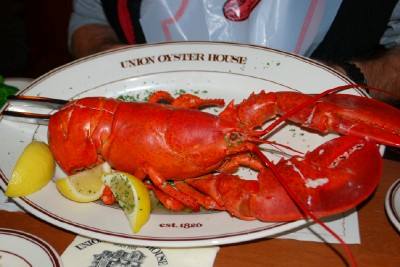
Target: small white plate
21,249
392,204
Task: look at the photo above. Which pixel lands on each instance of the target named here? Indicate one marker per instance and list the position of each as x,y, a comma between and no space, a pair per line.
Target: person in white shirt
359,38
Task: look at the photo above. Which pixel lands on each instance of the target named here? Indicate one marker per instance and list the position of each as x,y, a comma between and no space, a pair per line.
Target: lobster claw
335,177
346,114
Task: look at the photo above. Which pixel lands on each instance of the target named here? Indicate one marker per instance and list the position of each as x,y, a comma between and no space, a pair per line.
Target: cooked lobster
199,151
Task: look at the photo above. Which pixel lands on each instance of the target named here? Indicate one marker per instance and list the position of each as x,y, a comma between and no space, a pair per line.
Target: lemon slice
85,186
33,170
132,196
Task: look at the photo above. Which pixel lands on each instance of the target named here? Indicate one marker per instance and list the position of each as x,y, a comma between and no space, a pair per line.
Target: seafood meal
189,157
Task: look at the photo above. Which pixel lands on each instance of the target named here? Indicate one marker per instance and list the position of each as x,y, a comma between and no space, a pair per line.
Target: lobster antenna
302,208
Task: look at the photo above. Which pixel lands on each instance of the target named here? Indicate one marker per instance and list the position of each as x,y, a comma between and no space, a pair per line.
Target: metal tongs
31,101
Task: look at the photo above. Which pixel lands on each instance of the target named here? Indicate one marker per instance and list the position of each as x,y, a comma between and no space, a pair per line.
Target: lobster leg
204,200
168,201
185,100
236,196
246,160
168,189
208,185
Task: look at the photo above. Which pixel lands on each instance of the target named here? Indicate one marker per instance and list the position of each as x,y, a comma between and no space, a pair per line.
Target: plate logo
118,258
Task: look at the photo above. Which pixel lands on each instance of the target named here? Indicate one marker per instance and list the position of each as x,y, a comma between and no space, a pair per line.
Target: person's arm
89,30
382,72
92,38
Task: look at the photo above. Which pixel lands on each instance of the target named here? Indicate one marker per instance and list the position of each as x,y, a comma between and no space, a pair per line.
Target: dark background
47,33
33,36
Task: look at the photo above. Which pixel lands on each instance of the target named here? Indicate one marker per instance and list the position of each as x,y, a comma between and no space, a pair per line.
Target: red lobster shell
173,142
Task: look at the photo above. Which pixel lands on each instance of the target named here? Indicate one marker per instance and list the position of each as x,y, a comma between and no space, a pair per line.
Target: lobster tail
75,141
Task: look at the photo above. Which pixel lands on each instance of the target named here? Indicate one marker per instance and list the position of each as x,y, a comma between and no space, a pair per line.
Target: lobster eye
233,136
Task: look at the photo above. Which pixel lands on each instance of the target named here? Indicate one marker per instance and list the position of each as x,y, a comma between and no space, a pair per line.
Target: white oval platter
213,70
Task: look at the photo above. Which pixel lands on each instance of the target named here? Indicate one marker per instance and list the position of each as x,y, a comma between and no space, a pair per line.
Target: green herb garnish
5,91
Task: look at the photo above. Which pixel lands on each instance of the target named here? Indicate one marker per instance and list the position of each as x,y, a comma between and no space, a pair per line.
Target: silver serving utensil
31,101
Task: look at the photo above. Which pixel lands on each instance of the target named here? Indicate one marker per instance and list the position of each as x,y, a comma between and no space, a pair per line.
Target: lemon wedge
33,170
85,186
132,196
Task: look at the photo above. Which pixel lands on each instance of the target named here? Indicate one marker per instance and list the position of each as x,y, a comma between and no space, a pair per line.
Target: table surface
380,242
